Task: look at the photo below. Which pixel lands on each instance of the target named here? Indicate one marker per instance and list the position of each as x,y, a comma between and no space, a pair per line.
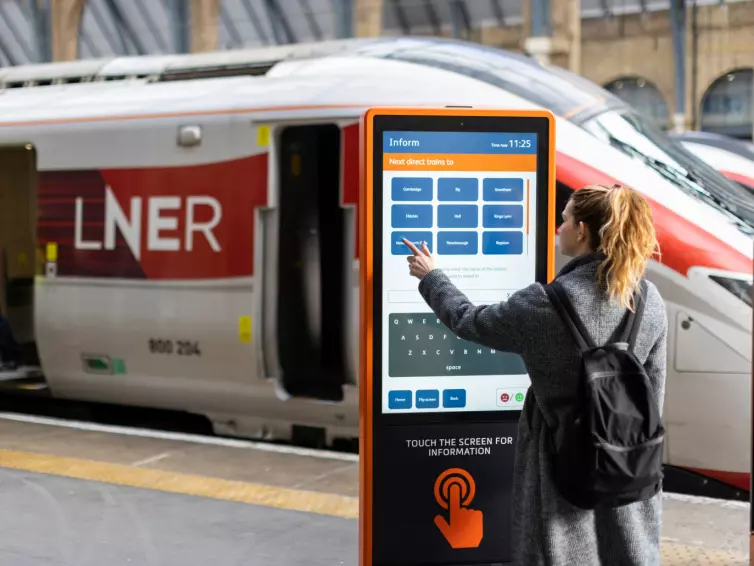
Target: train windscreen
636,136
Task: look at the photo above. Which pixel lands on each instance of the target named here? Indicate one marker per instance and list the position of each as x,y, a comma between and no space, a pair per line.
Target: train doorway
18,256
311,266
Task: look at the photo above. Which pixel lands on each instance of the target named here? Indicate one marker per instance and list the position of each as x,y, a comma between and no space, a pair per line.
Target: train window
739,287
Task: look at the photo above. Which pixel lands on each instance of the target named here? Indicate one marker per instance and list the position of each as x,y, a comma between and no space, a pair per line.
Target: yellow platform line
172,482
673,553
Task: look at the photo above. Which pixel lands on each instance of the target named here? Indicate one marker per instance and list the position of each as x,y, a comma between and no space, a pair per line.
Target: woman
610,235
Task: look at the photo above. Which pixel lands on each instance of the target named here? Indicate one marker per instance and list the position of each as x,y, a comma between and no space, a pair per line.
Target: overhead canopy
148,27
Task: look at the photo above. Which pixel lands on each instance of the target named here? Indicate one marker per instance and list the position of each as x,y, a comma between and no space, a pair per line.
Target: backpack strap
631,330
559,298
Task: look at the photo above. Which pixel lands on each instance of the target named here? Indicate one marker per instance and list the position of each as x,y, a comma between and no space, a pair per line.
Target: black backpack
612,449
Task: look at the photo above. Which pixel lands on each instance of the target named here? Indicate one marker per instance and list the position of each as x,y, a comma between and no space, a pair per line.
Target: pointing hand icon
465,528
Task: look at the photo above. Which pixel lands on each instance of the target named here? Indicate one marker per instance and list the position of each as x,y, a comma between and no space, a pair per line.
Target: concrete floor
56,521
113,496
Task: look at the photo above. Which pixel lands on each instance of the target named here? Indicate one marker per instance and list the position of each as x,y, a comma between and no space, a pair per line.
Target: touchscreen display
471,197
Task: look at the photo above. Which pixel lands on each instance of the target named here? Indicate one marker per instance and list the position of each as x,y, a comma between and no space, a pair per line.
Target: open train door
18,257
306,264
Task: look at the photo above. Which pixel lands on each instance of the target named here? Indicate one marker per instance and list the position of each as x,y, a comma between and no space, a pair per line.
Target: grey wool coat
547,530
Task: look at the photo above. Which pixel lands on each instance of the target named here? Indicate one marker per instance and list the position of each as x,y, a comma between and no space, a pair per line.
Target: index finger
454,496
411,246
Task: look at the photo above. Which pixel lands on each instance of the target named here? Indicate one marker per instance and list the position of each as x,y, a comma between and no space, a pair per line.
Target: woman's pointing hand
421,262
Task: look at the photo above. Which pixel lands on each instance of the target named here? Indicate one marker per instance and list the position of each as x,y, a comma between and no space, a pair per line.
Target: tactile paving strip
673,554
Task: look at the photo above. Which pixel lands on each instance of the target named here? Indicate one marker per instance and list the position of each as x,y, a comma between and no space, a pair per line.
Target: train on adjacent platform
732,157
194,220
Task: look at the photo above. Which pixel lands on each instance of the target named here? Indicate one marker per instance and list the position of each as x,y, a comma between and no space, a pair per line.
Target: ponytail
620,227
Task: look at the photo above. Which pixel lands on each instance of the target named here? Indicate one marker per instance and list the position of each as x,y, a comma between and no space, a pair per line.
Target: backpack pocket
622,469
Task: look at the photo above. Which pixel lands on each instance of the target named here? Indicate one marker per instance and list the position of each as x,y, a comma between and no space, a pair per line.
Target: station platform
78,493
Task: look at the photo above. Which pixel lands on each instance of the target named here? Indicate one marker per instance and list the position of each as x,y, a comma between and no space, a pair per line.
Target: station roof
112,28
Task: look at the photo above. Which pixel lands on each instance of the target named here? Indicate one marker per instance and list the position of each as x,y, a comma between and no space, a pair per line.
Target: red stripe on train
240,186
683,244
351,174
741,480
739,178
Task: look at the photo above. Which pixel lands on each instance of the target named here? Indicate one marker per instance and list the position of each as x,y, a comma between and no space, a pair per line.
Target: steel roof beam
118,45
678,27
89,43
149,22
400,14
178,14
18,39
344,18
261,34
497,9
124,26
6,51
280,26
541,18
84,37
311,20
40,16
434,20
463,10
461,19
227,21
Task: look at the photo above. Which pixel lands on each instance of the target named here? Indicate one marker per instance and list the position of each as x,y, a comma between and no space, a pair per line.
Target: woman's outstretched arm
499,326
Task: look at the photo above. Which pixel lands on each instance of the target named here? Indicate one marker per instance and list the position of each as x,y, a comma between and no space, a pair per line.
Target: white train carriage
732,157
196,222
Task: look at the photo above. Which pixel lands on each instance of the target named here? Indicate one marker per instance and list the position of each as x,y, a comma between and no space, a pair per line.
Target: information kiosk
439,414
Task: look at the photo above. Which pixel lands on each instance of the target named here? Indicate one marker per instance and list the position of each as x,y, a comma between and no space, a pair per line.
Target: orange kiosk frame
497,122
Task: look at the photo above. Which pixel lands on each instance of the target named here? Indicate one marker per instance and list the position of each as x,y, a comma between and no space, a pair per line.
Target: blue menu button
458,189
503,243
504,190
397,247
412,189
503,216
457,243
454,398
457,216
411,215
427,399
399,400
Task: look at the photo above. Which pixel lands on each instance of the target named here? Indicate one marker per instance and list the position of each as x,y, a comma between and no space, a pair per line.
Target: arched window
644,96
727,106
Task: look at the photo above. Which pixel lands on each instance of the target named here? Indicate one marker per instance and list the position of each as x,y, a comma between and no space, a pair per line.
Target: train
732,157
181,230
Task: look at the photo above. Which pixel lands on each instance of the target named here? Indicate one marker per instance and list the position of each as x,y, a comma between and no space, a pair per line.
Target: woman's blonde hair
619,222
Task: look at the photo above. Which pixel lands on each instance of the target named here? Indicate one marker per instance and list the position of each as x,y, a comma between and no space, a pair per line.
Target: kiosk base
451,481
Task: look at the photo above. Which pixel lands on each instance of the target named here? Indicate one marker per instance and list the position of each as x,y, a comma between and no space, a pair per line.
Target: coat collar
579,261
